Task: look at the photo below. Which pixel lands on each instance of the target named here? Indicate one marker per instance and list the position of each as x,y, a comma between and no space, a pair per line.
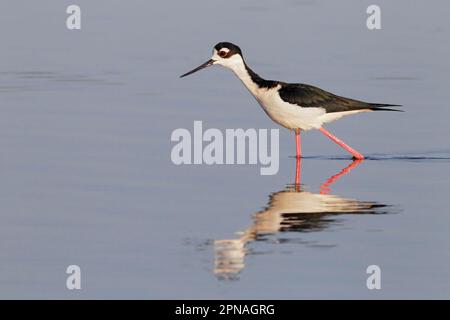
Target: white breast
286,114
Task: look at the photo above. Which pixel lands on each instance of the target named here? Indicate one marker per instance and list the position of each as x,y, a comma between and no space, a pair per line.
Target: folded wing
307,96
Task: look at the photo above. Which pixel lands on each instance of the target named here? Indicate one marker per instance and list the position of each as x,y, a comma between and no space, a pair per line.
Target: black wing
308,96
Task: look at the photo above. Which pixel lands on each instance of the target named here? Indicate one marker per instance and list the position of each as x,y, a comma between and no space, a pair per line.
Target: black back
308,96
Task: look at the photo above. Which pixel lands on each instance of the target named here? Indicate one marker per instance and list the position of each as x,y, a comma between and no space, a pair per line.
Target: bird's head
225,54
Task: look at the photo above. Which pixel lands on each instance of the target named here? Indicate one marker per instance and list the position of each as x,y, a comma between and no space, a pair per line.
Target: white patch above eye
222,52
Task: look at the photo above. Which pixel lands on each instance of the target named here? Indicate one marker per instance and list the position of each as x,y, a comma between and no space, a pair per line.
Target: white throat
241,72
237,65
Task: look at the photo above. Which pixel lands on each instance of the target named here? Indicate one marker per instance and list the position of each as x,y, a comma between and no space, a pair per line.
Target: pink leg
298,144
298,169
355,153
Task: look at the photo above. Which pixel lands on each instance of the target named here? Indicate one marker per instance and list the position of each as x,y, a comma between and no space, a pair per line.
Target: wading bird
295,106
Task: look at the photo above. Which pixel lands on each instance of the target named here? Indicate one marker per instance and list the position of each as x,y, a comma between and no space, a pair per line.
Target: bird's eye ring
222,53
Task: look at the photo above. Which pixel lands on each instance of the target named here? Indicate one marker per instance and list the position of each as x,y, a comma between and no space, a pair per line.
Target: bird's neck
253,82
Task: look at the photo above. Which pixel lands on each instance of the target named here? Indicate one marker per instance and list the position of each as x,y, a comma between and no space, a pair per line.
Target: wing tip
385,107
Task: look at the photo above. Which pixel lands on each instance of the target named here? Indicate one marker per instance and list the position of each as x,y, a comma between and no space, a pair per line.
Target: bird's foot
358,157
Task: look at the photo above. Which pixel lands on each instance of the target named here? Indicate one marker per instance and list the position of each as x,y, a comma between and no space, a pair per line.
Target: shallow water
86,172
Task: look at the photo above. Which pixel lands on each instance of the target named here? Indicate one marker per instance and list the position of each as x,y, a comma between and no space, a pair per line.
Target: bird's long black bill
203,66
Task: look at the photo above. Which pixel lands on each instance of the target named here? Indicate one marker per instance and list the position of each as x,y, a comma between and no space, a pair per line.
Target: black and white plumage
295,106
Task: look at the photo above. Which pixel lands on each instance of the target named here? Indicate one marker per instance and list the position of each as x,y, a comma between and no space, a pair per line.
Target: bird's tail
384,107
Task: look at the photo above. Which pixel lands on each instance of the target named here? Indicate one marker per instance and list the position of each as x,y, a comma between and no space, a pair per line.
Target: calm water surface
86,176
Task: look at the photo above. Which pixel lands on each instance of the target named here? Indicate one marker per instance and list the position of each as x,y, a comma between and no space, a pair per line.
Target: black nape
262,83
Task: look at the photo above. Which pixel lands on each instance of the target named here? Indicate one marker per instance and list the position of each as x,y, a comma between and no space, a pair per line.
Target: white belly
292,116
289,115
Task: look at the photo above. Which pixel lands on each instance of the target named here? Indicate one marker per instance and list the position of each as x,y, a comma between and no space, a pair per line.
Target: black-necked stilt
295,106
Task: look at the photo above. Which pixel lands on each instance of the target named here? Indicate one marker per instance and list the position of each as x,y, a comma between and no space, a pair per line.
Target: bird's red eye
222,54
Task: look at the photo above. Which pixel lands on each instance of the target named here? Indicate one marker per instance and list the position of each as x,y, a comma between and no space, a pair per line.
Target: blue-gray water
85,170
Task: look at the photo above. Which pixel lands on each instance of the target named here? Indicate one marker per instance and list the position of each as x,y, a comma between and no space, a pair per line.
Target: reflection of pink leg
298,145
355,153
325,187
298,169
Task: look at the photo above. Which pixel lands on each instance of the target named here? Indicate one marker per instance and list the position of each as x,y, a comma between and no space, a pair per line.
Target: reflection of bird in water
291,209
